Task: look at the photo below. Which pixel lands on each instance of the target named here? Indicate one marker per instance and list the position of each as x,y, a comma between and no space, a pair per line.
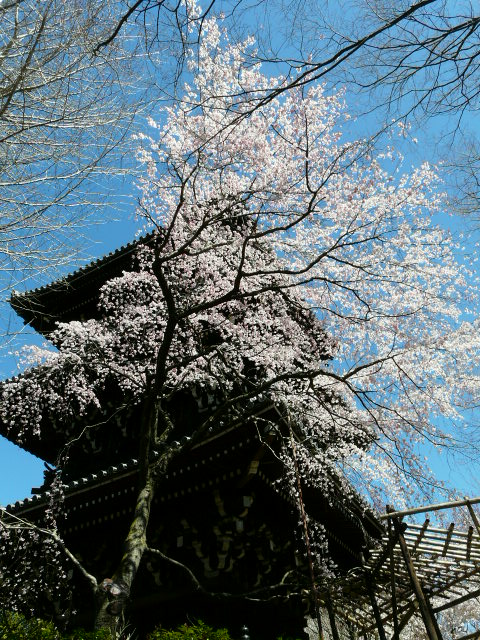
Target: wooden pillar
331,619
396,630
473,516
432,613
376,611
428,618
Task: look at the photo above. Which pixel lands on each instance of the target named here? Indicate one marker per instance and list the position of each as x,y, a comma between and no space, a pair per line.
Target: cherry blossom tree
289,264
403,60
422,53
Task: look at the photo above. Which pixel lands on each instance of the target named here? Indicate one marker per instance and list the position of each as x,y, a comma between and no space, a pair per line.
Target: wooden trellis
417,568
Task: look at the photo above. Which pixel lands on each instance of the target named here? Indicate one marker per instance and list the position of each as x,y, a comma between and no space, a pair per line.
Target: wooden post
376,611
473,516
432,613
331,618
427,615
396,631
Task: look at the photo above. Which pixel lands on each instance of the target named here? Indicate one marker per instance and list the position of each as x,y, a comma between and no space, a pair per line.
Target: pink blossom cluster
34,574
354,233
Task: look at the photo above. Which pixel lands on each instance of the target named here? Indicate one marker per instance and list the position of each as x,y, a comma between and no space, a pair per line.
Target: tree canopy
290,263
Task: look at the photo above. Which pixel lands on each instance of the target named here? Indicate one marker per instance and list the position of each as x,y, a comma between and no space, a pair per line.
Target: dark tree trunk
113,593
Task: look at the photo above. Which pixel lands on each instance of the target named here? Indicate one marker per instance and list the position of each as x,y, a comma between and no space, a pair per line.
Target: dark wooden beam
454,603
447,539
376,611
471,636
393,586
331,619
425,610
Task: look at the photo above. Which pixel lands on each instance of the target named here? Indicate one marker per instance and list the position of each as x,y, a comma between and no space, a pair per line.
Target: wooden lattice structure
418,569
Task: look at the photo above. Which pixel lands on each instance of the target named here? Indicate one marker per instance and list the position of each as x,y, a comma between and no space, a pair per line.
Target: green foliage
81,634
14,626
199,631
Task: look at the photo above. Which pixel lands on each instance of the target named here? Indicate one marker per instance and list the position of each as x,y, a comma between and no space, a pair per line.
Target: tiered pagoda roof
75,296
228,517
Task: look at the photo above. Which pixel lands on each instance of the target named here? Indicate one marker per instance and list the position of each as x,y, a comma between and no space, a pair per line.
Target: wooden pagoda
219,511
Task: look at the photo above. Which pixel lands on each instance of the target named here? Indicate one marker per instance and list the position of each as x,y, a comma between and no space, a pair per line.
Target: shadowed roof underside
73,297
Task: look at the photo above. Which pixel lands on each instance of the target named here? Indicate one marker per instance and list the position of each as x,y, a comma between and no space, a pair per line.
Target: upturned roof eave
43,306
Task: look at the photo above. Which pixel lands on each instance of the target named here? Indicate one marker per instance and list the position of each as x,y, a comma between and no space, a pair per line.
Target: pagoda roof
225,456
74,296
